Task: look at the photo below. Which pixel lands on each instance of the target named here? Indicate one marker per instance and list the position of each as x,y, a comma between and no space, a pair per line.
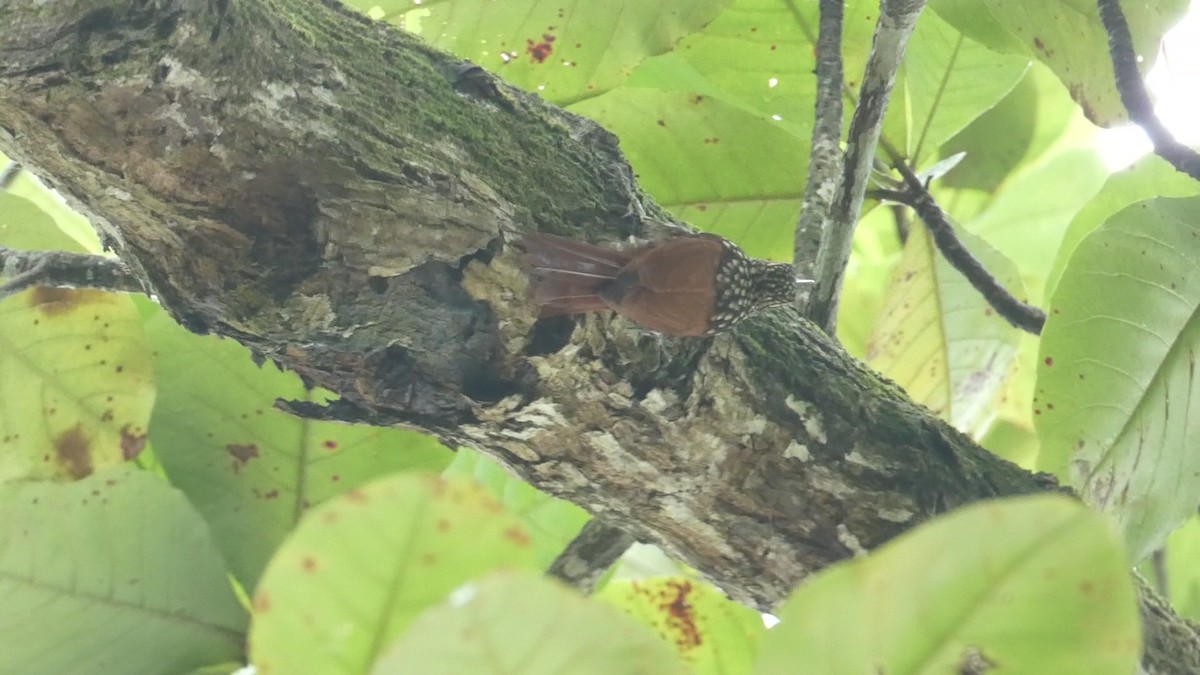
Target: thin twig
825,159
26,269
1020,314
597,546
897,19
1134,95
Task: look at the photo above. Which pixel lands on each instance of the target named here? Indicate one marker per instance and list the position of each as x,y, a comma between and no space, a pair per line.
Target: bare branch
825,160
1134,95
897,19
1020,314
26,269
597,546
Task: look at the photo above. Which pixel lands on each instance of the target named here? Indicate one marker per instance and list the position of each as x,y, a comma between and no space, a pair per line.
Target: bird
683,286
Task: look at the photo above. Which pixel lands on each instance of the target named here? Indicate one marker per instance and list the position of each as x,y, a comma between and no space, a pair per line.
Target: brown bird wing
669,287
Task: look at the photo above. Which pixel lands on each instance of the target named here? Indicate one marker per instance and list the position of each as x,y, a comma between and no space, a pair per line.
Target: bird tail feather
569,274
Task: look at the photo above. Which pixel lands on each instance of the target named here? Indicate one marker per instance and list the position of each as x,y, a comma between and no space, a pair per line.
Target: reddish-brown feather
665,287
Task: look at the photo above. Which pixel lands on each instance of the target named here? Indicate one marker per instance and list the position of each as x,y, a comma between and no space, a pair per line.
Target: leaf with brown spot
712,633
522,622
251,469
60,395
74,452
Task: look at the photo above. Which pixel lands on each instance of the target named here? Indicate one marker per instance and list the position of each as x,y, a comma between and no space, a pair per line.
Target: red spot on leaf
443,525
330,445
356,496
261,602
271,494
309,564
1049,361
540,51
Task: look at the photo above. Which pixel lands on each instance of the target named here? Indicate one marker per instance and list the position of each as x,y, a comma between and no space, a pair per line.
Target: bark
337,196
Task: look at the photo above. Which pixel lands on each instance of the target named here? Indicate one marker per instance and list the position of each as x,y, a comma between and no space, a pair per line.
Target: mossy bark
337,196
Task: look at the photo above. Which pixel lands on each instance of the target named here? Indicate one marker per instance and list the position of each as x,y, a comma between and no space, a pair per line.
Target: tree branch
590,554
1134,95
916,195
825,160
337,198
26,269
897,19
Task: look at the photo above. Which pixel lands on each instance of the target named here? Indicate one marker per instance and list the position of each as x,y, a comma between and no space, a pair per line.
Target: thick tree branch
897,19
337,196
1133,92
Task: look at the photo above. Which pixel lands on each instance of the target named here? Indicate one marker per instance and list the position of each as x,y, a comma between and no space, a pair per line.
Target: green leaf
250,469
563,53
1067,36
1118,405
946,82
478,631
1029,585
712,633
552,523
1037,117
1147,178
1028,217
361,567
115,573
1183,569
939,339
718,166
77,381
41,221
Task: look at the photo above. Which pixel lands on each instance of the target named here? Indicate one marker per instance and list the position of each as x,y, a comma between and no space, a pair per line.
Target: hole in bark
549,335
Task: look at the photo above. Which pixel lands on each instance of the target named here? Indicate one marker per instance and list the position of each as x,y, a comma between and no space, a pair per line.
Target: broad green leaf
76,382
566,53
26,226
519,622
250,469
68,231
1028,217
1147,178
946,82
1118,404
1012,434
115,573
712,633
552,523
1028,585
361,567
1037,117
1067,36
1183,568
939,339
720,167
877,250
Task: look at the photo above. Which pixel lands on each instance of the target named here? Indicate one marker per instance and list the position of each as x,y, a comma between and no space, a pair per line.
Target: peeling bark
336,196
